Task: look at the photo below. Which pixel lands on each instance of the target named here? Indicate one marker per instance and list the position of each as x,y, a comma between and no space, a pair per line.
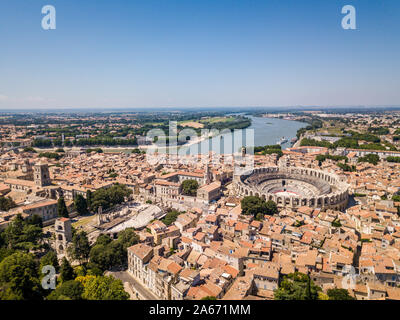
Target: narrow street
125,277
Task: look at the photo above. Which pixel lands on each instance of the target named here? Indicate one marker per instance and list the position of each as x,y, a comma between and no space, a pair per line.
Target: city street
125,277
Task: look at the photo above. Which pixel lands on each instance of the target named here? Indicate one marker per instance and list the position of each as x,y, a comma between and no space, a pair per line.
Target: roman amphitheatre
293,187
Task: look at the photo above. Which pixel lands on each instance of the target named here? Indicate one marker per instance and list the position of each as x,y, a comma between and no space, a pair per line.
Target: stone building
209,192
63,234
41,175
46,209
293,187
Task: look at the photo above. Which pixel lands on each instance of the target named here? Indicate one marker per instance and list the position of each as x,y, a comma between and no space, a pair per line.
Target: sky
198,53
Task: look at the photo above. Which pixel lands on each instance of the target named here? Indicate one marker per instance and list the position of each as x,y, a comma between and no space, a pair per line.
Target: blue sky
198,53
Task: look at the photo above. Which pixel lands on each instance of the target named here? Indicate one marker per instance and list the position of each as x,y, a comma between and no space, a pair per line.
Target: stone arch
60,237
263,197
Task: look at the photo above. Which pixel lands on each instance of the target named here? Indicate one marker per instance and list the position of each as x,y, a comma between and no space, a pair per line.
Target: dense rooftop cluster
197,242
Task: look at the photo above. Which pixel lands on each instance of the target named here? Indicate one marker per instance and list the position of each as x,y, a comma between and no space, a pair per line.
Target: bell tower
208,176
41,175
63,233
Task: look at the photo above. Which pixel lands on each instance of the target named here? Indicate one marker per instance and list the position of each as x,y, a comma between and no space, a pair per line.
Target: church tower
41,175
208,176
63,232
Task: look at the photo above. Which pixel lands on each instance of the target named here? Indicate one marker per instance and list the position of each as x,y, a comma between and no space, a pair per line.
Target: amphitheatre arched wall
332,193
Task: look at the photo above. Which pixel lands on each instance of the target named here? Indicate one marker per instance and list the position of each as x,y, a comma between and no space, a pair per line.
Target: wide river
267,131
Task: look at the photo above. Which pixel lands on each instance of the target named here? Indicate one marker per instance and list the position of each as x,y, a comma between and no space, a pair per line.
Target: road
124,276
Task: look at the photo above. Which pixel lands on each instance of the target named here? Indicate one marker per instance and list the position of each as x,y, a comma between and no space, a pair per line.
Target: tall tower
63,234
41,175
243,151
208,177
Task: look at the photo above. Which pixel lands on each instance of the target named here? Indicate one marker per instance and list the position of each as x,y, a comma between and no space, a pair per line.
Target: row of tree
106,198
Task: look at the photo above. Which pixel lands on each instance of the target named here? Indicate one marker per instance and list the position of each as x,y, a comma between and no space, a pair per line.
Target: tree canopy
80,247
370,158
23,234
108,253
19,278
102,288
107,198
6,203
80,205
170,217
297,286
252,205
69,290
62,208
339,294
66,271
189,187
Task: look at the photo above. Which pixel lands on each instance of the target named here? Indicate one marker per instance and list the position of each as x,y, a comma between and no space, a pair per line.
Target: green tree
66,271
35,220
170,217
68,290
107,198
209,298
49,259
297,286
339,294
107,253
6,204
128,238
80,247
100,257
271,208
189,187
62,208
23,235
252,205
103,239
81,205
5,252
370,158
19,278
259,216
104,288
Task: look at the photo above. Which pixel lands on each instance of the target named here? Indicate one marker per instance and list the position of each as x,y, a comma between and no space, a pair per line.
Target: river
267,131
